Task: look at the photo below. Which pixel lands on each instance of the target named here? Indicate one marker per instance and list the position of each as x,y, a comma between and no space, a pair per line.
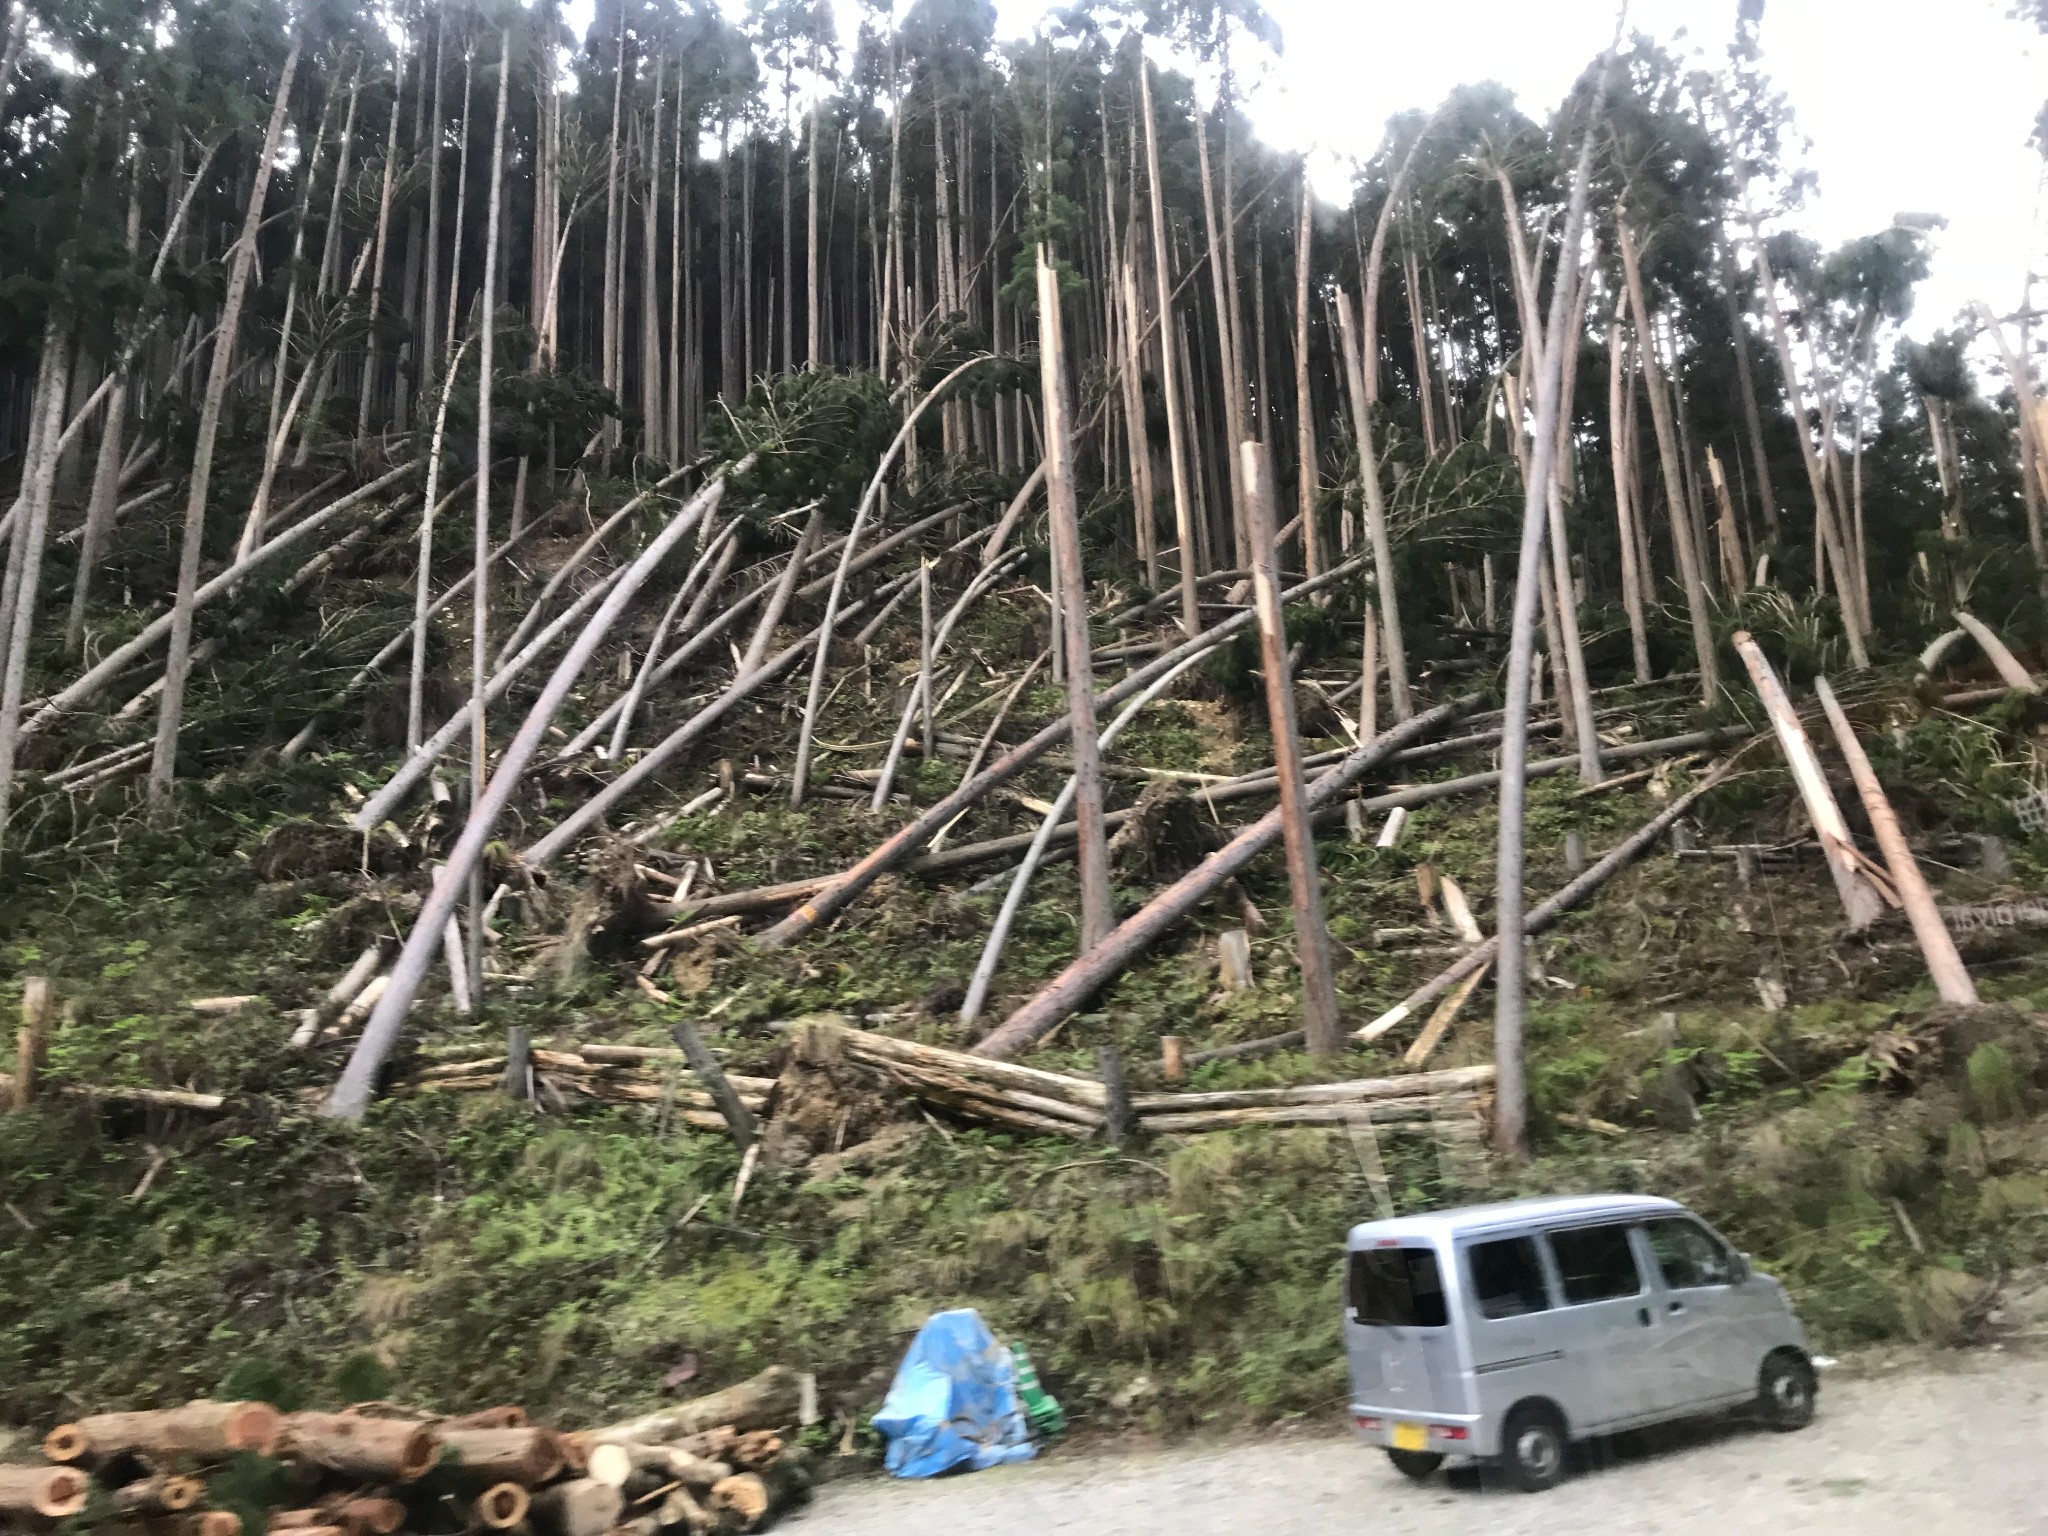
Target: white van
1501,1333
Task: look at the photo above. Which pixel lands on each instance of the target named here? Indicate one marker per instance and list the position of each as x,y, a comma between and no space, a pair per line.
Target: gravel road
1923,1449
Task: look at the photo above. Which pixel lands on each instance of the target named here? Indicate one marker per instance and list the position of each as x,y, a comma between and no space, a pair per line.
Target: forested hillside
518,542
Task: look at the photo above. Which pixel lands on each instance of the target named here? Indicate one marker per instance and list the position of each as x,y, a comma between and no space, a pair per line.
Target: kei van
1502,1333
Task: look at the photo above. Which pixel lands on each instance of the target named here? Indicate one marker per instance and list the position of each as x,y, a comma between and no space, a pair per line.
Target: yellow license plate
1411,1437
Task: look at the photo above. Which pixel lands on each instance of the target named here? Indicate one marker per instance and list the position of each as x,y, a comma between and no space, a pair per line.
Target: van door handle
1643,1316
1677,1308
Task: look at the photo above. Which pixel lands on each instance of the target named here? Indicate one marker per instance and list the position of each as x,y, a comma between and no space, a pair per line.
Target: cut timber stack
713,1464
608,1074
1014,1097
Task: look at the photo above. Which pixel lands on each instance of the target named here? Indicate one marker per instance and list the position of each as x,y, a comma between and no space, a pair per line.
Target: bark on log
159,1495
502,1506
766,1401
1380,1112
1944,964
352,1516
526,1455
358,1447
200,1429
619,1462
713,1444
580,1507
1361,1090
1086,975
48,1493
1082,1092
1861,899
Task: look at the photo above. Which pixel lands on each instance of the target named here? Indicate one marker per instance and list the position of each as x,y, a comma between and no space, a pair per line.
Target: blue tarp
954,1402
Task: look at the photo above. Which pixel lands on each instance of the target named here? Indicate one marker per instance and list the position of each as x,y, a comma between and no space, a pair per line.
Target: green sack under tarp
1040,1406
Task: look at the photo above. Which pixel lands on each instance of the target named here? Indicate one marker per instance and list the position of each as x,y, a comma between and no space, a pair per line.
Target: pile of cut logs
1023,1098
609,1074
712,1464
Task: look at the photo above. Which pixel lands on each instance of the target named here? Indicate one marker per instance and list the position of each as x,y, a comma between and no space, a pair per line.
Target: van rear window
1396,1288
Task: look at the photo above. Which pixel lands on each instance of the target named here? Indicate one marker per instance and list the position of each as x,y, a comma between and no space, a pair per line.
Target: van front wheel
1786,1392
1532,1448
1415,1465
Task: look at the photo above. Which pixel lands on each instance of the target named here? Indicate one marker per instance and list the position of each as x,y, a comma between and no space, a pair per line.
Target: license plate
1411,1437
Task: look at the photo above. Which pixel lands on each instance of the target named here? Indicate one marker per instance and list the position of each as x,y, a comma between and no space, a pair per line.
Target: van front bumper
1447,1434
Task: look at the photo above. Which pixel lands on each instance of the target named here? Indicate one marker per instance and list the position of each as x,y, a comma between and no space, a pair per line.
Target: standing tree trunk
614,224
650,297
480,607
25,552
1098,914
171,706
1752,418
1375,514
1511,1090
814,335
1304,402
1634,579
1674,480
430,333
1226,345
1176,444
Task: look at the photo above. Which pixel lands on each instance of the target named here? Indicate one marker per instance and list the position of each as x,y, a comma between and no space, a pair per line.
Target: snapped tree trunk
1176,444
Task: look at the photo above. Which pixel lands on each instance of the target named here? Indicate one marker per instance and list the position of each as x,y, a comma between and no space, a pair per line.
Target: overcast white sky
1911,105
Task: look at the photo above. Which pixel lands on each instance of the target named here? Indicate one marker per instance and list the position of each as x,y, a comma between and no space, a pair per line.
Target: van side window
1595,1263
1507,1277
1397,1288
1688,1254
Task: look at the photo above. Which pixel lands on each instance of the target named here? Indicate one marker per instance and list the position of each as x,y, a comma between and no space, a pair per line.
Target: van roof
1433,1225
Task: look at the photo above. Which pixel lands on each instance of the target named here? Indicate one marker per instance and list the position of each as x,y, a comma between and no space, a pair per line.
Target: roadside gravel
1958,1446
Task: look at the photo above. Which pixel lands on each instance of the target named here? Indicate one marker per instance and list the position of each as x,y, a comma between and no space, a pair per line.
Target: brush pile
717,1463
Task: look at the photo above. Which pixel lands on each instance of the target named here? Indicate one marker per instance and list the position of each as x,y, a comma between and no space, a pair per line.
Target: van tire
1786,1390
1416,1466
1533,1444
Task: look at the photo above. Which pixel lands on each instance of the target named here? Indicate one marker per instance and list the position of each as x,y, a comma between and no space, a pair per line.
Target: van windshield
1396,1288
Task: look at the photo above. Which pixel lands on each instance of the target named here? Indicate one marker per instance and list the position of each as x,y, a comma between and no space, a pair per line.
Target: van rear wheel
1415,1465
1532,1448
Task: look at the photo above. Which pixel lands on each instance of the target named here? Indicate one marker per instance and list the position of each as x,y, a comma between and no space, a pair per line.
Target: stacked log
715,1463
607,1074
1013,1097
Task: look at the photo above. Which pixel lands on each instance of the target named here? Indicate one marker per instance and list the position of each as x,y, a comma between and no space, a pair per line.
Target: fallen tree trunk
203,1429
1088,973
767,1401
160,1495
1379,1112
350,1445
1547,912
110,666
620,1462
42,1493
525,1455
850,883
1951,979
1084,1093
1359,1091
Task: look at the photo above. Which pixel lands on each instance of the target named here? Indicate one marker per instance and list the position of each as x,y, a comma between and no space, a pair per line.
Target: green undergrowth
1888,1159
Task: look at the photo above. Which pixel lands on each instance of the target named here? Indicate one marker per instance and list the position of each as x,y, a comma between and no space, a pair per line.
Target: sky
1910,105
